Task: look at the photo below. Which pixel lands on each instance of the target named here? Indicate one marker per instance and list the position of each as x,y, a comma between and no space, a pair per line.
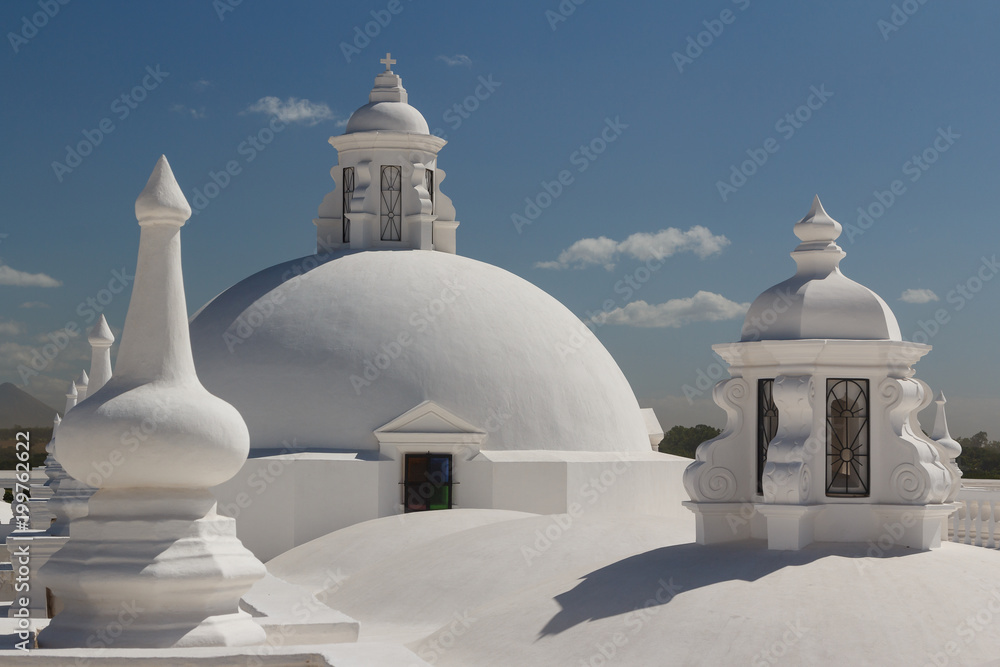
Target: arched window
767,425
847,445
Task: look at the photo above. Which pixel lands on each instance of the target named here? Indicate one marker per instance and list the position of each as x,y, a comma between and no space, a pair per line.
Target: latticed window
767,426
348,193
391,203
429,185
847,429
427,483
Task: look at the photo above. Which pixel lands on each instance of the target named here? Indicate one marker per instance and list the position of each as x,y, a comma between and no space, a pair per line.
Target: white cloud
456,60
702,307
918,296
34,304
188,111
202,84
11,328
642,246
9,276
292,110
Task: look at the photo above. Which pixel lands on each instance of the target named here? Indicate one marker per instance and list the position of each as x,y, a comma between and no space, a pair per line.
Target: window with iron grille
429,185
427,483
767,425
847,444
391,217
348,193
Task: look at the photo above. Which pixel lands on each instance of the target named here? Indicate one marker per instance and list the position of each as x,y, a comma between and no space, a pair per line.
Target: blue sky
683,92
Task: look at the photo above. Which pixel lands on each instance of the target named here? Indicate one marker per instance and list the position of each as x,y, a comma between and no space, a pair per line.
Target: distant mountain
19,408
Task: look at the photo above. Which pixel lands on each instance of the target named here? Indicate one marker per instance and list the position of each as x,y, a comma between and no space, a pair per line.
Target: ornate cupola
822,441
387,193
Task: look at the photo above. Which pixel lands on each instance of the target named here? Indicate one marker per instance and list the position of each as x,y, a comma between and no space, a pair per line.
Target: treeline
38,438
980,457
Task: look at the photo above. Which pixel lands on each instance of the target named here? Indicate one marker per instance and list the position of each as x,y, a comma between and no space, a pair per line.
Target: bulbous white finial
817,226
162,201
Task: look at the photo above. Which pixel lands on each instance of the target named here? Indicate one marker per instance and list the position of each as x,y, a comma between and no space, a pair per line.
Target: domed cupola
819,301
387,109
822,441
387,193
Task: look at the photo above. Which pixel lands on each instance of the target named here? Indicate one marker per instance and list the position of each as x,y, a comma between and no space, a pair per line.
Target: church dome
387,117
819,302
387,109
322,351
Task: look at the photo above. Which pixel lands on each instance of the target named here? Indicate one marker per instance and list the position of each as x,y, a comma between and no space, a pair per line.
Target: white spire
82,386
155,341
179,561
100,339
71,397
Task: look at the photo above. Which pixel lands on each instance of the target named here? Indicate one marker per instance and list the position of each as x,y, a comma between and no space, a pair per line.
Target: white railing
977,520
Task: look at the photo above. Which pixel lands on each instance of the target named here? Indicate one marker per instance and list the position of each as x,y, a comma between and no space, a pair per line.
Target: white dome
493,349
819,301
833,306
387,117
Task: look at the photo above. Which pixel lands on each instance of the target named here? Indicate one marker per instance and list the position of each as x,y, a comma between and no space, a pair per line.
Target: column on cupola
387,192
821,441
152,539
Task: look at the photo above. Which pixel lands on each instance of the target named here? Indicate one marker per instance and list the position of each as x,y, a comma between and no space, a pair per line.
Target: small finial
940,428
100,333
72,393
162,200
84,380
817,227
388,61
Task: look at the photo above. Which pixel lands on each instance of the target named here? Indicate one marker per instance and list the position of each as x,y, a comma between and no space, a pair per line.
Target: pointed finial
817,227
940,429
72,396
72,392
84,380
388,61
100,334
162,201
56,421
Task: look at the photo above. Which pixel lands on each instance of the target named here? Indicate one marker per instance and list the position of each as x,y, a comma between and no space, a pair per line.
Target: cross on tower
387,61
